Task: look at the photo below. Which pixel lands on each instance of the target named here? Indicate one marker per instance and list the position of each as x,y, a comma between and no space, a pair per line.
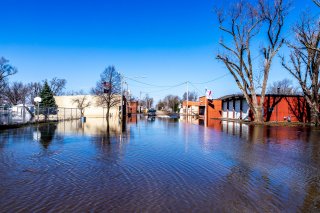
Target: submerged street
158,166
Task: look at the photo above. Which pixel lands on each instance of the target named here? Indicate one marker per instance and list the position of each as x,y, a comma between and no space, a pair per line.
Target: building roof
236,96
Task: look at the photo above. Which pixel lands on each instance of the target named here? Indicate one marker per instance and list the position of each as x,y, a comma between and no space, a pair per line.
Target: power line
152,85
164,89
218,78
168,87
195,87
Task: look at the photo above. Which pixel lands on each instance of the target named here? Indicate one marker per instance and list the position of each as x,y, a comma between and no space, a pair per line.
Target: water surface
159,166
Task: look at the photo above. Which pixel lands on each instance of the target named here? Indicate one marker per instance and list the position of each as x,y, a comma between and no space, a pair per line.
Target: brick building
209,108
132,107
191,109
235,107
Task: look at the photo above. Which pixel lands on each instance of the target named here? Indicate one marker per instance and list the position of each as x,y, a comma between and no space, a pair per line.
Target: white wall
237,109
224,109
230,115
94,111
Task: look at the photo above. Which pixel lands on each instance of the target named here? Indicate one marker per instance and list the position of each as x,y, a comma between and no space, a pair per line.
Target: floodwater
161,165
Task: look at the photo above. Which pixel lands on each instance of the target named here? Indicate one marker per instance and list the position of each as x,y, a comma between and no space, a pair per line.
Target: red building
209,108
132,107
279,108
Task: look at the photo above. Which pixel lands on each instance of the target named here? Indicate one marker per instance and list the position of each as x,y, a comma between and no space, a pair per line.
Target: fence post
71,114
64,114
23,114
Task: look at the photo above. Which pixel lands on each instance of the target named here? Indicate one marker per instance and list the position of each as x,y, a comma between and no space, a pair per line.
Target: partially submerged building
132,107
209,108
190,108
277,108
95,110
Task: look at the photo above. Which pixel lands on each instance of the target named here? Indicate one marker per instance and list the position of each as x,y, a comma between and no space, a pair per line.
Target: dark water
159,166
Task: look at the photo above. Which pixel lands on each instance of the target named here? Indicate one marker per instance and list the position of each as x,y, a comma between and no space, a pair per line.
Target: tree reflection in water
110,143
47,133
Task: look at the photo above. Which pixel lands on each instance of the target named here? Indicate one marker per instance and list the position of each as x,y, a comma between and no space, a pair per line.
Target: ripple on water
159,167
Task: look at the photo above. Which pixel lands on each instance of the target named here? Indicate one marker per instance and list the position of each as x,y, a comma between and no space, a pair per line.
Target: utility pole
187,98
121,113
278,91
140,103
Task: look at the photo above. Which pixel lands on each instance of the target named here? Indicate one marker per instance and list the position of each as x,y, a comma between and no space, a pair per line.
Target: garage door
224,109
230,115
237,109
245,110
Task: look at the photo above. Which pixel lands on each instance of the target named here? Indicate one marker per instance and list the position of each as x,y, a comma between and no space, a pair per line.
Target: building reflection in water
259,133
133,119
92,126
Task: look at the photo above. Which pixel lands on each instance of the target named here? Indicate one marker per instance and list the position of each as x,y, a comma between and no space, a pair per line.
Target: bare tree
34,91
16,93
108,89
57,86
317,2
283,87
172,102
82,103
161,105
243,23
5,71
193,96
147,101
304,61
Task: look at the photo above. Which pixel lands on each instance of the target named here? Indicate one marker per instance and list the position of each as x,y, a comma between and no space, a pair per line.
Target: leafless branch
57,86
6,70
82,103
242,22
317,2
108,88
304,61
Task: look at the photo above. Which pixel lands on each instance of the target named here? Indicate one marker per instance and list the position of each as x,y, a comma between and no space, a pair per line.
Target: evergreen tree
46,95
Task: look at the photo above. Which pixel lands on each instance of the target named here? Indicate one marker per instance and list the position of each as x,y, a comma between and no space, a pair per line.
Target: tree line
172,103
14,93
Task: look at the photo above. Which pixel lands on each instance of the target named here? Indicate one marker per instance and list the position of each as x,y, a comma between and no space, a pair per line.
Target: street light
38,100
278,91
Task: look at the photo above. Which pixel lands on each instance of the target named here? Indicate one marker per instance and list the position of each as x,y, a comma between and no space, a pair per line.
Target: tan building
66,103
193,108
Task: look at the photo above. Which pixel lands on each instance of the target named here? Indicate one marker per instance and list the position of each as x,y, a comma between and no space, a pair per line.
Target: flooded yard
161,165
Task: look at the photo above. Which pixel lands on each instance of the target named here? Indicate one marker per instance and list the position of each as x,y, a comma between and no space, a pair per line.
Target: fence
29,114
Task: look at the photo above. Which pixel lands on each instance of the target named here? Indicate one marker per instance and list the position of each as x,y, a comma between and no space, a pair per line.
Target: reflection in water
160,166
93,126
45,133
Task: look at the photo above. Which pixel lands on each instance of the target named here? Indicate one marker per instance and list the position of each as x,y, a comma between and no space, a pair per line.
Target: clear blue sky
166,41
